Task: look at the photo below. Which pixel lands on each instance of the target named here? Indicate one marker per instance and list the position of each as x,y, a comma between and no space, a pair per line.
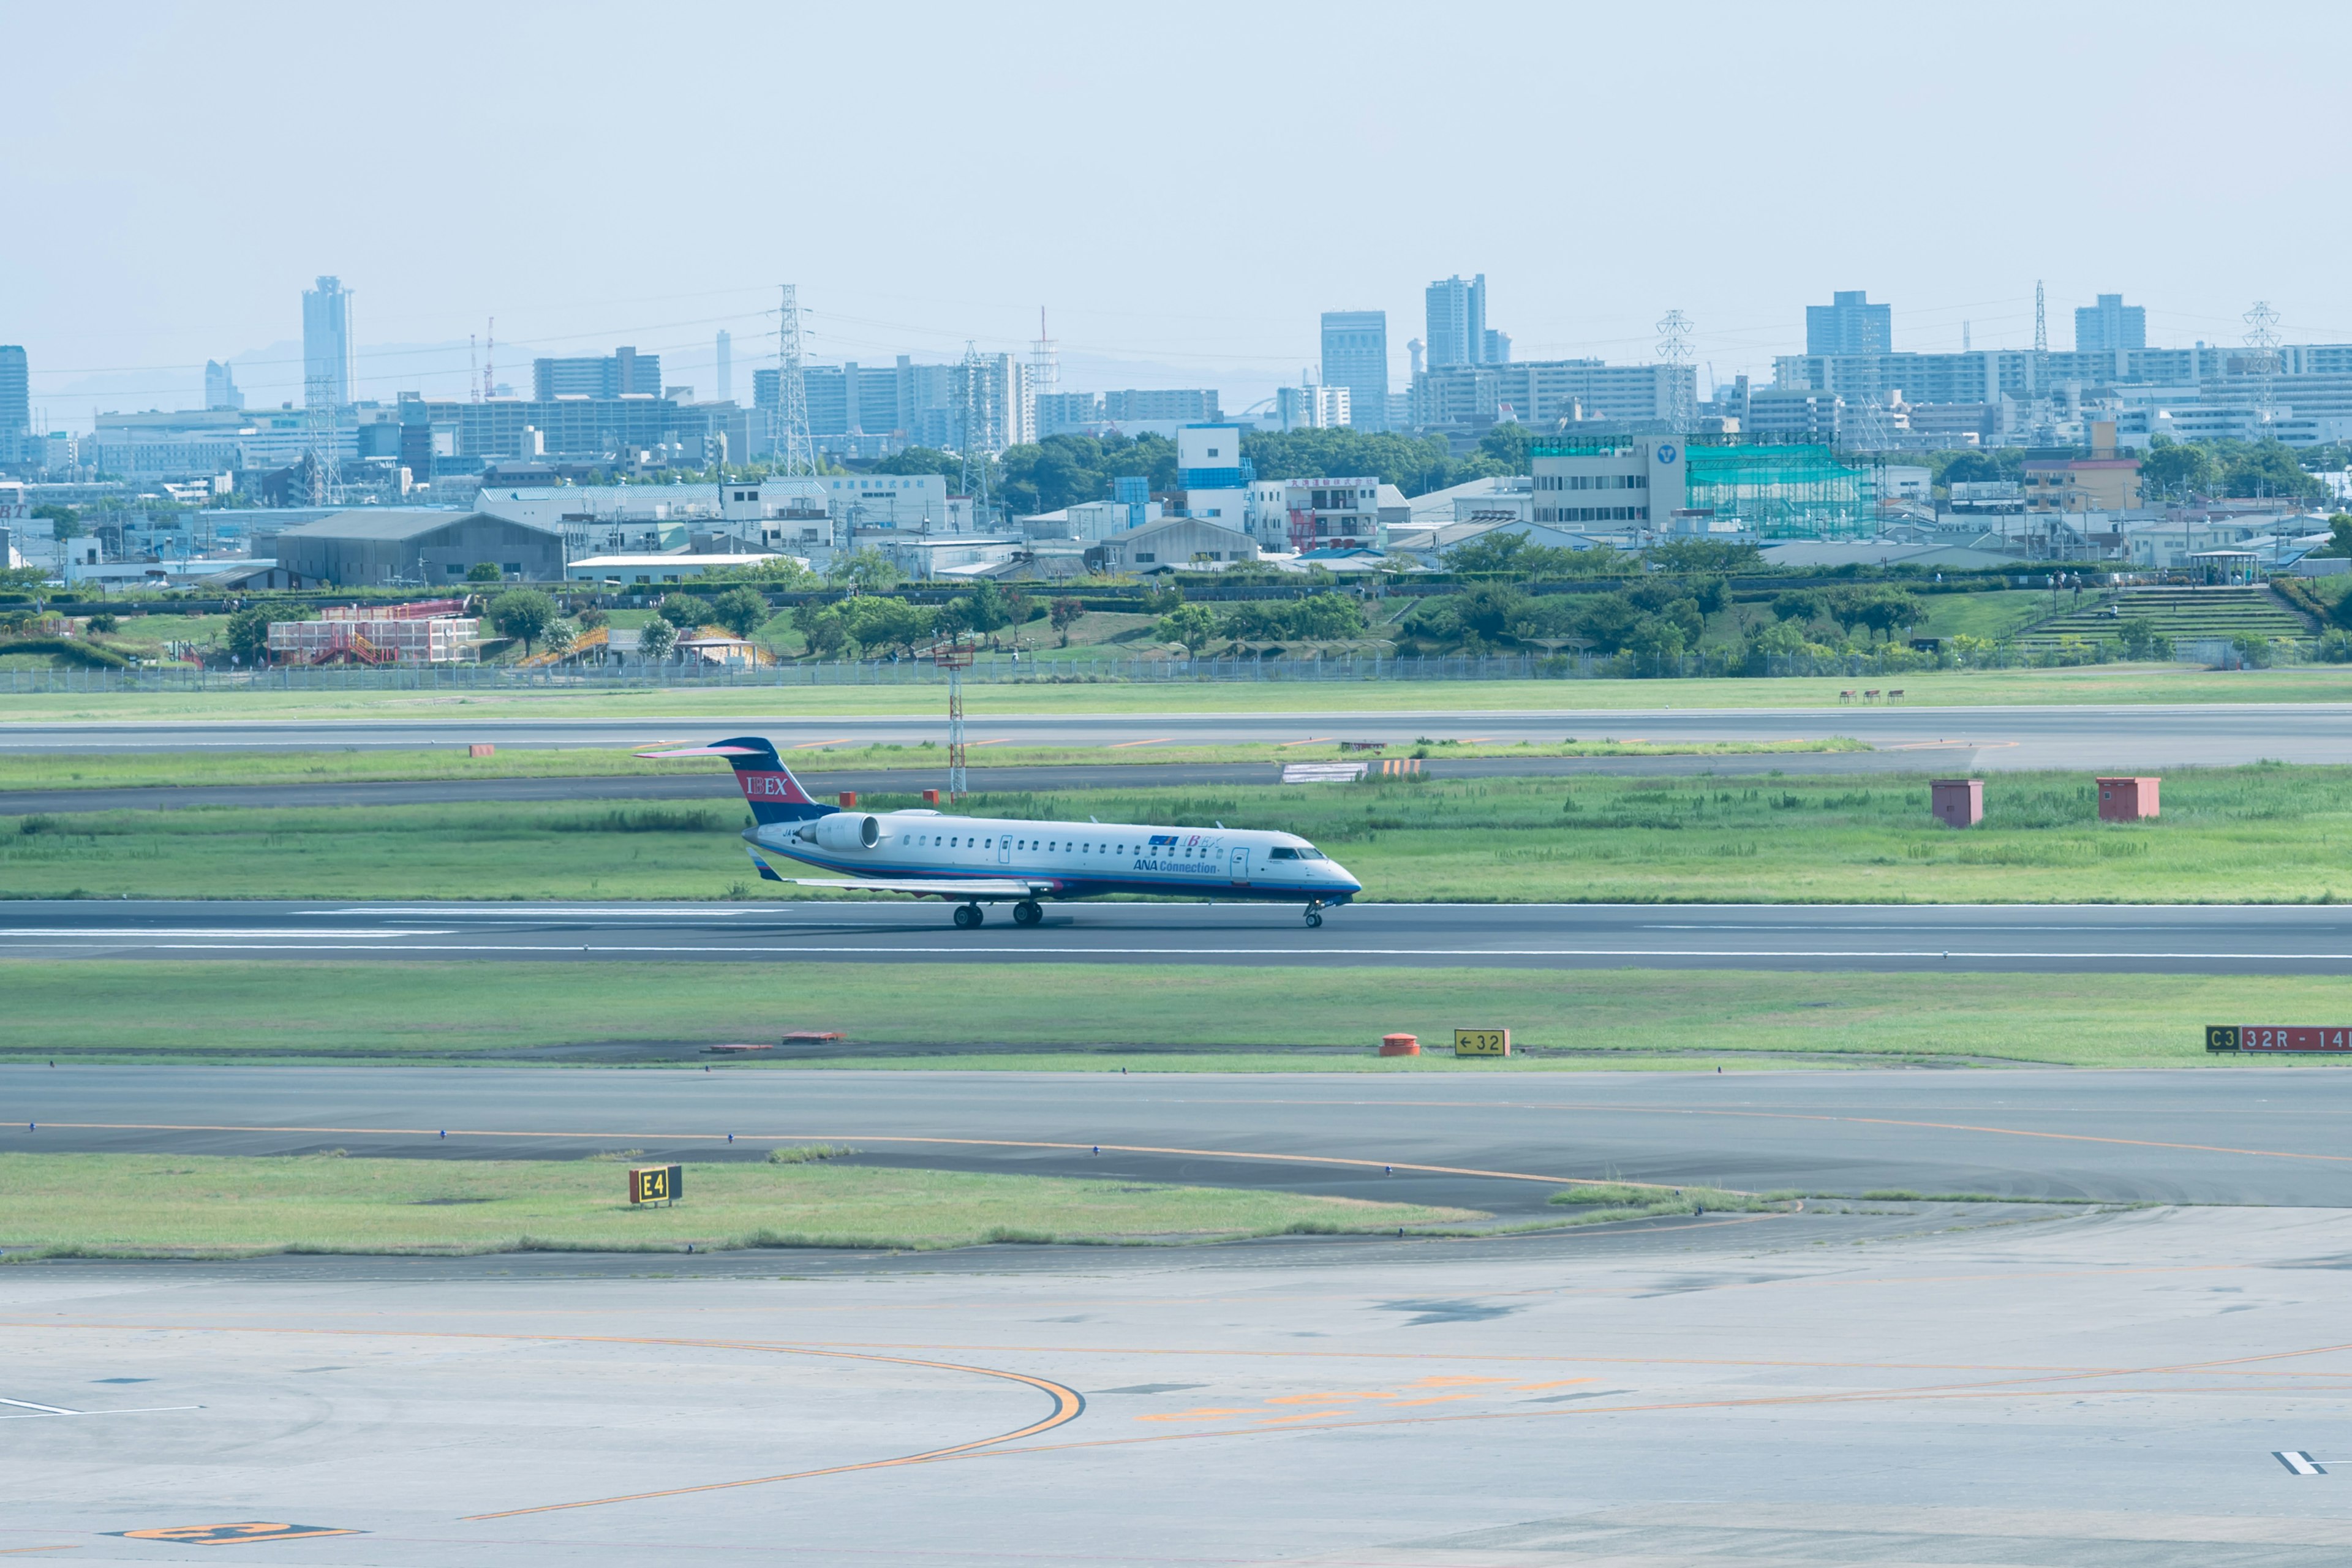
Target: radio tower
489,361
473,366
793,442
2041,322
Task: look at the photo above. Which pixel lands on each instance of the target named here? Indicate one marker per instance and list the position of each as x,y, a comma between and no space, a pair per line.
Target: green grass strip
232,1010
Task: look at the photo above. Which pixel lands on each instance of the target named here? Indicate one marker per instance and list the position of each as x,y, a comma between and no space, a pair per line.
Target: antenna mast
793,441
473,366
489,360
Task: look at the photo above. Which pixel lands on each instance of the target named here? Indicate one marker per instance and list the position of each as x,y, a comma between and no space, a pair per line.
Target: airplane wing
945,888
990,888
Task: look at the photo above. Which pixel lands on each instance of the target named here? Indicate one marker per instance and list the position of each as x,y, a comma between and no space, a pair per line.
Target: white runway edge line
1267,954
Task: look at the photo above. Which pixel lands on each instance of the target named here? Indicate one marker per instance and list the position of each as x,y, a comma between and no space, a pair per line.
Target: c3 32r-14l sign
2279,1038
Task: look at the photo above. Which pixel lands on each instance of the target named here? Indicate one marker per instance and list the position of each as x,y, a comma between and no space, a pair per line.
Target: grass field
2263,834
116,769
114,1205
1265,1019
2087,684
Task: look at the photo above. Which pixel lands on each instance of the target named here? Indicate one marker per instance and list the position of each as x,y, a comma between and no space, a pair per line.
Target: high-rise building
327,343
623,373
1356,356
1457,321
1499,348
15,391
2110,326
1849,324
725,366
220,387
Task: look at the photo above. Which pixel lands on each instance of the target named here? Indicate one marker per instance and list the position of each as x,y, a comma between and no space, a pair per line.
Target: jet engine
848,830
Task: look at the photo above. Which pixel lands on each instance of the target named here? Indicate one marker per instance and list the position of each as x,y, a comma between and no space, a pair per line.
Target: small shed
1957,803
2128,800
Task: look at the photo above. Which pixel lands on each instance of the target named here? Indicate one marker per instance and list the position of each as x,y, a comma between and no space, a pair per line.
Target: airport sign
1482,1042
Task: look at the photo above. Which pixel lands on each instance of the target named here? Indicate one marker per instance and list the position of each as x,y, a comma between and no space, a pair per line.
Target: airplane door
1004,850
1241,868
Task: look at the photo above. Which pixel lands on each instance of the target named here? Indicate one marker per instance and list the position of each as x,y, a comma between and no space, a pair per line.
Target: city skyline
97,304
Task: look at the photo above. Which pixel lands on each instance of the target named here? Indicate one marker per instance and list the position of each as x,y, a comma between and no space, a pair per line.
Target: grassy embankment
2110,684
2264,833
178,1206
1269,1018
119,770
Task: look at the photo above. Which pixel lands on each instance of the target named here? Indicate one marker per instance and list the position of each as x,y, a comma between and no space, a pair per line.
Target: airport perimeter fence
1892,660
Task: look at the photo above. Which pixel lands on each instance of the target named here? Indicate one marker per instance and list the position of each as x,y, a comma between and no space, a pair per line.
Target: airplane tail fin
768,785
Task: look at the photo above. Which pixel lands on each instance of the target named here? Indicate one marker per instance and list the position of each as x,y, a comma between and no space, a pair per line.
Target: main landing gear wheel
1314,915
1027,913
968,916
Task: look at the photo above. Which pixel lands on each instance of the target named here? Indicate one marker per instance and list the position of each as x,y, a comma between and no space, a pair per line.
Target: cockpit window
1305,853
1282,852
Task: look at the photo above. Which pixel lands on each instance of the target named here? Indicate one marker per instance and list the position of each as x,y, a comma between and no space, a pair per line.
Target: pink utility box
1959,802
2128,800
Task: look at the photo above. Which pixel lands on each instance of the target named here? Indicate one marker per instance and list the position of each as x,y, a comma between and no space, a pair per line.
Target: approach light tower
954,656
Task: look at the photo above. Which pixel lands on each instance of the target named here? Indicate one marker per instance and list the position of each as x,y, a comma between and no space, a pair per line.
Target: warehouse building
384,547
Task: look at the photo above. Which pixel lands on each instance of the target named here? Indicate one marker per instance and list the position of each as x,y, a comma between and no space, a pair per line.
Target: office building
724,385
1456,312
2110,326
623,373
220,387
1545,390
1315,407
1849,324
15,391
326,344
1213,474
1193,405
1663,486
1356,357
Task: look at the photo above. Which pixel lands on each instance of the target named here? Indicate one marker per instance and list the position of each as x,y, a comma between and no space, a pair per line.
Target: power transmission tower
793,441
1674,353
2041,322
1045,360
490,361
2263,358
978,410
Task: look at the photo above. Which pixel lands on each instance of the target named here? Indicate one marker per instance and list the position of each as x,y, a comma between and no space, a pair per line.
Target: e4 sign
656,1184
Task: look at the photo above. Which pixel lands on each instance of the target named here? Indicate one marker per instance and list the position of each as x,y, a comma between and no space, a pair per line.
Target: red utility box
1959,802
849,800
2128,800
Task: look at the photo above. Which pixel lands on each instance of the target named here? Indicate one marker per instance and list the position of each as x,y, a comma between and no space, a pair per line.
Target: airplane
976,860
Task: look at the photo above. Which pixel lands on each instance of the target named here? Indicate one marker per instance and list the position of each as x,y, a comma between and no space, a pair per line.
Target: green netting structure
1781,490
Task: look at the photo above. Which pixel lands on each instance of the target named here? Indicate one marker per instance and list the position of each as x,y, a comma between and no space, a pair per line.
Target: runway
1959,739
2265,1134
1915,938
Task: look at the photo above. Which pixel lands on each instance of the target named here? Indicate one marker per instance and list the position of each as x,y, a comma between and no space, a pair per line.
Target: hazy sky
1183,188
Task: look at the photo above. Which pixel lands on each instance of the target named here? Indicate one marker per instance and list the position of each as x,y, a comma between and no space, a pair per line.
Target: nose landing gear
1027,912
967,916
1314,915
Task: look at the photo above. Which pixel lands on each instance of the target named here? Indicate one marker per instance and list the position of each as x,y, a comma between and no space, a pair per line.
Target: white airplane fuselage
1062,859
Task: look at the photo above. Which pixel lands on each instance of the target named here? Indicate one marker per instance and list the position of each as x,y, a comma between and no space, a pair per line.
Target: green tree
866,569
982,611
1705,555
1064,612
657,639
776,571
66,523
483,571
591,618
559,635
2268,468
824,627
247,634
522,613
103,624
2173,468
683,611
1191,625
741,610
1508,445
